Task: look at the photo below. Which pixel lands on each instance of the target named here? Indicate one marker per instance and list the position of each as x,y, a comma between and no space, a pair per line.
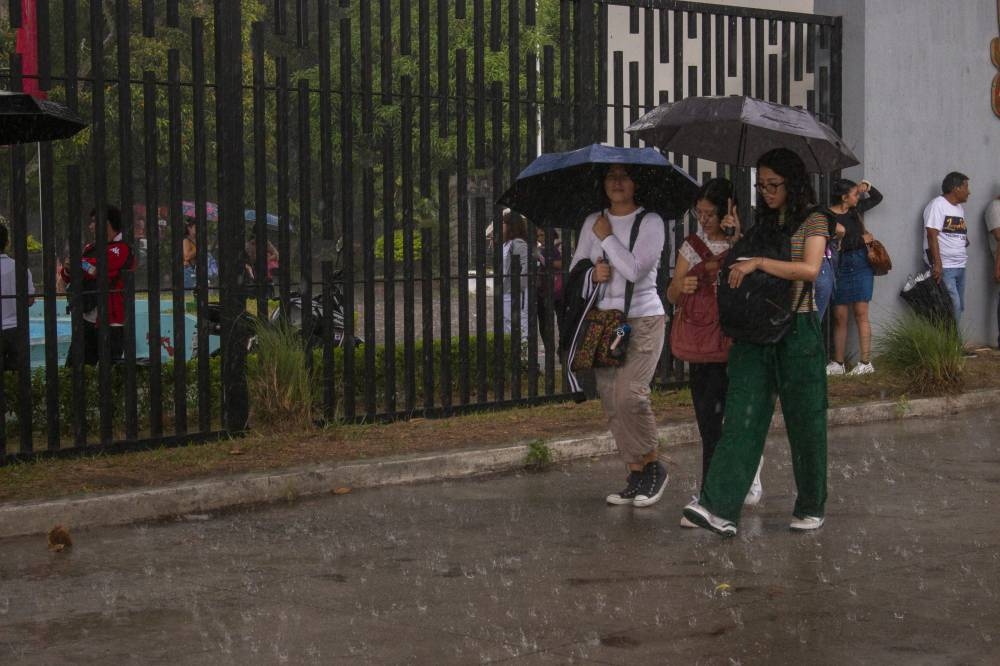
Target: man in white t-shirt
12,338
993,224
946,240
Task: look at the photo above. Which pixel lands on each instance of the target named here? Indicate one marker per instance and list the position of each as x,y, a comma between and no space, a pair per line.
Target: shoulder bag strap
699,246
630,286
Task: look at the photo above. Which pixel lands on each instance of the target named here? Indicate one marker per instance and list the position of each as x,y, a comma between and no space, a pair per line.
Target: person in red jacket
120,258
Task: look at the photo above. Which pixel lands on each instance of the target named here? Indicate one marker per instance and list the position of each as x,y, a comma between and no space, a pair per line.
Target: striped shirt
815,225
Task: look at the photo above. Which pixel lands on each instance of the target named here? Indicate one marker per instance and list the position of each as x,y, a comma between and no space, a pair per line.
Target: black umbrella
738,130
561,189
928,298
25,119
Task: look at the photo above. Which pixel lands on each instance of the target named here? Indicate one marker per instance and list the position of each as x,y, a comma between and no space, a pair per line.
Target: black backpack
760,309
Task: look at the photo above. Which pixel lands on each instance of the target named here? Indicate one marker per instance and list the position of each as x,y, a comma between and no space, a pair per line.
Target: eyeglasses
703,214
770,188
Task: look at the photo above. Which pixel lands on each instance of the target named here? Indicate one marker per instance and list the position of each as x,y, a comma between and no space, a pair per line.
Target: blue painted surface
167,344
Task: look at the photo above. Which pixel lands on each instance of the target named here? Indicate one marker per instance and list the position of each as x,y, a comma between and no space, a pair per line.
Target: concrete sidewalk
24,518
535,568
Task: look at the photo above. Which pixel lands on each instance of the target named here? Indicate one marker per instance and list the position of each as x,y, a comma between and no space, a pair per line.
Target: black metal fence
367,141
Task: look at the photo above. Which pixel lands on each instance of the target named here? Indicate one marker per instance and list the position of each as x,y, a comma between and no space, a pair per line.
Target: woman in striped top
793,368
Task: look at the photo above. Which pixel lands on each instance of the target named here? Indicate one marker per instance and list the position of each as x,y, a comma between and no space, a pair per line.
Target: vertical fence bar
301,23
261,270
152,195
444,275
406,183
282,123
566,54
531,151
305,216
122,33
229,134
80,411
786,62
97,145
759,59
427,318
388,213
347,218
200,157
19,239
368,203
499,275
633,99
720,54
462,197
706,54
548,145
442,65
747,60
797,54
649,60
177,230
618,95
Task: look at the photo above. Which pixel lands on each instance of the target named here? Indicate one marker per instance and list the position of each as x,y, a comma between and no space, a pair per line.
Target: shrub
539,456
279,382
925,353
397,245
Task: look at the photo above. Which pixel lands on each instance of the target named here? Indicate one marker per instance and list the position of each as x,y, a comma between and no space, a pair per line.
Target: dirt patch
292,447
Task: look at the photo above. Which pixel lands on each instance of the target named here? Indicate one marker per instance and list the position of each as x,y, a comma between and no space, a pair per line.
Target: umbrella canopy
25,119
250,215
738,130
211,210
561,189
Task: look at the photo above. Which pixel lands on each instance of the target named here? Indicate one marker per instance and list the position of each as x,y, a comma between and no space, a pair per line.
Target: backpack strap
630,286
699,246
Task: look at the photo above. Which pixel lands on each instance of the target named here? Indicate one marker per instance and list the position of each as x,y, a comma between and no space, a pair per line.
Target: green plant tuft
539,456
924,353
281,385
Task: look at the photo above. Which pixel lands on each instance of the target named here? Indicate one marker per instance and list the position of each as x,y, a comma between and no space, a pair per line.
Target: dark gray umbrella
25,119
738,130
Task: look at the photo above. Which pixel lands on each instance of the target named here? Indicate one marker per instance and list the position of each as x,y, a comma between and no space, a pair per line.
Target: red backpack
696,335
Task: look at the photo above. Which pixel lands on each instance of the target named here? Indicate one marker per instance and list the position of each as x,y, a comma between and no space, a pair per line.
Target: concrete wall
917,80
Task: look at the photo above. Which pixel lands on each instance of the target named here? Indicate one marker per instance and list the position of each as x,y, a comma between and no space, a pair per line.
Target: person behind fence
190,250
792,368
120,258
604,242
993,225
697,270
849,201
946,239
515,243
14,320
549,273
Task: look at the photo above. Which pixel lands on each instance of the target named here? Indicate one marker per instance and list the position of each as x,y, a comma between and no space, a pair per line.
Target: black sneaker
654,482
627,496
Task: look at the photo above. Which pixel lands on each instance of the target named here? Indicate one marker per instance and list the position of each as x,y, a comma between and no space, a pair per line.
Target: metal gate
367,141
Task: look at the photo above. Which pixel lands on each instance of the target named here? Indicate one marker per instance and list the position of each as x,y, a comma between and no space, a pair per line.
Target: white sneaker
834,368
862,369
756,488
702,517
806,524
686,523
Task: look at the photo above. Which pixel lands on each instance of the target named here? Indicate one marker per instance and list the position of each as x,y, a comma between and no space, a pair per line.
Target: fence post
229,119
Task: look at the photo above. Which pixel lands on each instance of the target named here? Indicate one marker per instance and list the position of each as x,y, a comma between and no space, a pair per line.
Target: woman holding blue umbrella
604,242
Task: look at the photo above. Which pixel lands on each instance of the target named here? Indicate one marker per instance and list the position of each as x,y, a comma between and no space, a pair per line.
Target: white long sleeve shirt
638,266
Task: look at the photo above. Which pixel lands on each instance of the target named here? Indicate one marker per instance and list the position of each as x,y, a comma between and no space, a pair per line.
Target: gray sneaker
702,517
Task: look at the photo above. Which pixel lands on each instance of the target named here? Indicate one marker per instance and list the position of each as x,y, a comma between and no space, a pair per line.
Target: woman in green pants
793,368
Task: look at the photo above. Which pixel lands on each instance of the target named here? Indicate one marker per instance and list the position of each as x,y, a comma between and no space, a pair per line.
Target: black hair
718,192
114,217
839,190
4,237
801,196
952,181
634,172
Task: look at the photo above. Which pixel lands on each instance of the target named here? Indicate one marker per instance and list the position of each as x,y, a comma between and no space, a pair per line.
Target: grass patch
926,354
280,383
539,456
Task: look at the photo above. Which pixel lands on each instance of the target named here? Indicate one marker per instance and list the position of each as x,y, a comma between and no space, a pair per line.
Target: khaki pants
624,390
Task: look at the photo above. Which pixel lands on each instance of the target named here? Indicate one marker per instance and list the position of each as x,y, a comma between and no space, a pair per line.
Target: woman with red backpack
696,334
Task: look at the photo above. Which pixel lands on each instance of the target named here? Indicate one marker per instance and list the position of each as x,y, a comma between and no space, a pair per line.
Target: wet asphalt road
535,569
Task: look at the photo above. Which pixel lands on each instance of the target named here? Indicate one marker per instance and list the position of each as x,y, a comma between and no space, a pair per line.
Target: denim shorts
854,278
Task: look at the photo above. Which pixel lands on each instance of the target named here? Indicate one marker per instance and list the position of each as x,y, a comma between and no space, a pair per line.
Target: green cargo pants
795,370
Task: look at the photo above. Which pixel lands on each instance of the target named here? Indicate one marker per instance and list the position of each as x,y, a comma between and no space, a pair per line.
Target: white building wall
916,106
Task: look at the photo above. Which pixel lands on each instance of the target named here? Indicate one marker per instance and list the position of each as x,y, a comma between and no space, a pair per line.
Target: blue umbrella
561,189
250,215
